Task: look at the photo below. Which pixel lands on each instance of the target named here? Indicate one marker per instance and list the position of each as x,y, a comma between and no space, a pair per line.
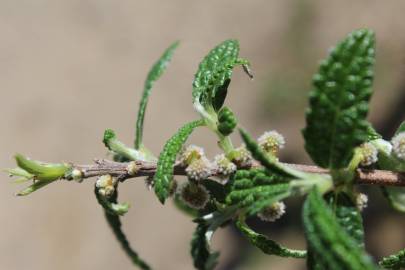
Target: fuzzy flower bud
398,145
272,212
361,201
191,153
194,195
106,185
369,154
271,142
242,157
225,166
199,169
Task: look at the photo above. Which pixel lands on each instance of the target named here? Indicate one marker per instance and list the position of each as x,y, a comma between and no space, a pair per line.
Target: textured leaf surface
154,74
267,245
338,103
214,74
164,172
112,211
394,262
255,190
203,258
327,241
348,216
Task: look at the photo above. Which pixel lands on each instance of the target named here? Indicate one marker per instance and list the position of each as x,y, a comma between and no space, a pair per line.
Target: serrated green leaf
338,103
164,171
213,76
154,74
348,215
112,212
257,190
327,241
203,258
268,161
267,245
394,262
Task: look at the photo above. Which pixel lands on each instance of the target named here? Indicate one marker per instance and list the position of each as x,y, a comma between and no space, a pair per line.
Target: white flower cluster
199,169
272,212
271,142
242,157
398,145
369,153
361,201
194,195
191,153
106,185
224,165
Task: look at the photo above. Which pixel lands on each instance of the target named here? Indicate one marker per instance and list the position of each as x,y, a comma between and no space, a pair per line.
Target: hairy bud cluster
398,145
369,154
272,212
106,185
242,157
361,201
271,142
194,195
199,169
191,153
224,165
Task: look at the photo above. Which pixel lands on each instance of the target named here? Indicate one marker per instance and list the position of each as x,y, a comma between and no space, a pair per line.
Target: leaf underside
338,104
203,258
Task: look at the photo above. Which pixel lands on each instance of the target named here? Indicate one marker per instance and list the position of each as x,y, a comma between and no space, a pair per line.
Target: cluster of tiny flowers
272,212
224,166
199,169
194,195
369,153
361,201
271,142
192,152
398,145
242,157
106,185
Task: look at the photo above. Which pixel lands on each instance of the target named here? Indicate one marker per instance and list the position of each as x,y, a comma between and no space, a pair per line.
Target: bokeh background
71,68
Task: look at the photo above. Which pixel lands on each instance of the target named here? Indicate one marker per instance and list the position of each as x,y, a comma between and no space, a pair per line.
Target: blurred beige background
69,69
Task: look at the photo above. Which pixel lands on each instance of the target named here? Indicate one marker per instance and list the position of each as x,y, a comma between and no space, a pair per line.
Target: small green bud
272,212
77,175
369,154
398,145
194,195
271,142
199,169
106,185
227,121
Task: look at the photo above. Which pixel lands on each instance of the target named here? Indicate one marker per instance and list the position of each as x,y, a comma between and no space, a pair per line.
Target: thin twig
102,167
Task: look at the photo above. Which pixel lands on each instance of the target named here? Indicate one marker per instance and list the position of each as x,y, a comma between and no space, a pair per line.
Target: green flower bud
191,153
226,121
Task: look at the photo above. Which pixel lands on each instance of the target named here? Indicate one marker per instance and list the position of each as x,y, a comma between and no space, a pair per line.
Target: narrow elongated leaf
42,171
338,103
267,245
154,74
268,161
213,76
394,262
112,211
164,172
327,241
203,258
